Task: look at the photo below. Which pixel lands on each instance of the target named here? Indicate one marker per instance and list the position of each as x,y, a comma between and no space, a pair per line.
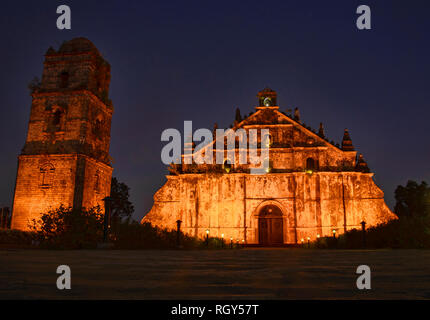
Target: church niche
46,177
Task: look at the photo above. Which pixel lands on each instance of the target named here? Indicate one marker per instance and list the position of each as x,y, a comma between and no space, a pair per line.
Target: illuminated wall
336,193
230,204
65,159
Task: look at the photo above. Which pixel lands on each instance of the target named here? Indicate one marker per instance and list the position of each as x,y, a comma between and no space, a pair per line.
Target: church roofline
292,122
245,174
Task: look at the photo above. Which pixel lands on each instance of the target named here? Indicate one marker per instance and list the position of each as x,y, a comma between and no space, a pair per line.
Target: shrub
69,228
16,237
133,235
404,233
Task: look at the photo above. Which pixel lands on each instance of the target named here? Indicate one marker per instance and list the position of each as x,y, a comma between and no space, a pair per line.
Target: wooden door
276,232
270,226
263,231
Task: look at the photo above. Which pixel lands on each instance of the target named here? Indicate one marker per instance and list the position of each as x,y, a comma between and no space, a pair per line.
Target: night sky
178,60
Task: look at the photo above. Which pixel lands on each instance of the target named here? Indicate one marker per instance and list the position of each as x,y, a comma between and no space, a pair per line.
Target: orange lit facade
65,159
312,187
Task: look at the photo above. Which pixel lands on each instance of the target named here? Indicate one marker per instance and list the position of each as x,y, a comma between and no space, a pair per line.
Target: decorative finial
297,114
238,117
347,142
362,164
321,131
50,51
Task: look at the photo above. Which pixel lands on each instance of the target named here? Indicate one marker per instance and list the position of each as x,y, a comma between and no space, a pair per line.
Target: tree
121,207
413,200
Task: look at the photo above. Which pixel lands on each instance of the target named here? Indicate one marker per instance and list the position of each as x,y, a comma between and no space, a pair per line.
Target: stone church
65,159
311,189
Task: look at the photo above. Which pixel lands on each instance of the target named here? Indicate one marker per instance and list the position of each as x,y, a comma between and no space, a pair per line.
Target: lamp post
303,241
178,233
222,240
207,237
363,228
334,233
318,240
231,242
309,242
106,224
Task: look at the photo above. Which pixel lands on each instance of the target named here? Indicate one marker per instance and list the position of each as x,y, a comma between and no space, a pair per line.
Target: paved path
224,274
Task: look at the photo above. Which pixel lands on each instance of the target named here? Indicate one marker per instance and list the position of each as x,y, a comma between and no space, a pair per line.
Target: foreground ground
224,274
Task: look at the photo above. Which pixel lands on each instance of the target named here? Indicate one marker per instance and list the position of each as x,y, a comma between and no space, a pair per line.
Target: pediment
272,117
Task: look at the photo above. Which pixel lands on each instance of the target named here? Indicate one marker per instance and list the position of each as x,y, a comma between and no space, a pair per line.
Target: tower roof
78,45
266,92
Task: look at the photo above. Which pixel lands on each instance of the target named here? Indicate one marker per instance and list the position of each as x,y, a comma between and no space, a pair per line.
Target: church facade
65,159
311,188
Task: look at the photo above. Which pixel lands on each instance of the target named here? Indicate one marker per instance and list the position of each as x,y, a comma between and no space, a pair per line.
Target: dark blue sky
179,60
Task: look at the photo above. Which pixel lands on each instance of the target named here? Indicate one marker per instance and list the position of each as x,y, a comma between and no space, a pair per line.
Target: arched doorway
270,226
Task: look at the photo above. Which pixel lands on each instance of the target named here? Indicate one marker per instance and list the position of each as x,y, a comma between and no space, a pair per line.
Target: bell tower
65,159
267,98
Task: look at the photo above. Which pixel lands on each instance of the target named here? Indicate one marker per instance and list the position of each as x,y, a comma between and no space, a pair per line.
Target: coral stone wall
83,126
312,186
97,183
65,159
43,182
230,204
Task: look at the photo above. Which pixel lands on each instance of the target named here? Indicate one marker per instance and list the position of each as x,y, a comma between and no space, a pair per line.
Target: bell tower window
55,120
98,127
64,79
267,98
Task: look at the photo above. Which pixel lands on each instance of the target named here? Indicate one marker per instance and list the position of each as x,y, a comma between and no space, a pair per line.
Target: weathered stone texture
229,204
65,159
316,186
